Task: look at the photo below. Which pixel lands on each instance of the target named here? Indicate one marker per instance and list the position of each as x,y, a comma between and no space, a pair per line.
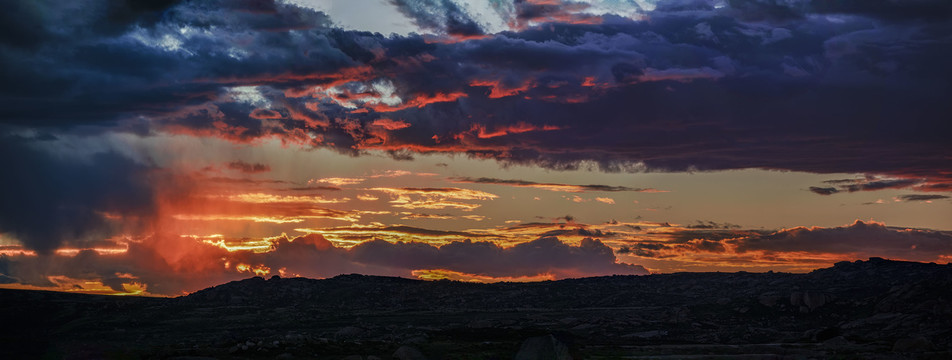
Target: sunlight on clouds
84,286
270,198
434,198
337,181
443,274
259,270
264,219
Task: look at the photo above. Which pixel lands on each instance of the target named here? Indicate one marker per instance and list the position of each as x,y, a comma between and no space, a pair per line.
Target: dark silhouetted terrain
876,309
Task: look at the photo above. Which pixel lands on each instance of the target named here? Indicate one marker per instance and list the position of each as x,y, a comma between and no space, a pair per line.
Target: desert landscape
875,309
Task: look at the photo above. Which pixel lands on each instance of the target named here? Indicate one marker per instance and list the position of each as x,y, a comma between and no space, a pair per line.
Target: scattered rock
837,343
769,299
416,340
647,334
350,332
480,324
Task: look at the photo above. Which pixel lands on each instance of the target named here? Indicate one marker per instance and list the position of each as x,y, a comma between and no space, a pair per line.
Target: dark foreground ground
874,309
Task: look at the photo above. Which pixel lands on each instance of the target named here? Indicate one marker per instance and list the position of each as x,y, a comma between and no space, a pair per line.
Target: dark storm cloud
442,16
823,87
51,199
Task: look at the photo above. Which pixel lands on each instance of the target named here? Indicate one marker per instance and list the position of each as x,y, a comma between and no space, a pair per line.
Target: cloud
337,181
824,190
263,198
550,186
390,124
194,265
810,247
921,197
860,240
622,84
434,198
54,199
441,16
248,168
545,255
874,183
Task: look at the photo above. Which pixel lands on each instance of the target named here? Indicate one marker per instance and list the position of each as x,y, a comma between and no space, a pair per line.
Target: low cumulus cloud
173,265
859,240
550,186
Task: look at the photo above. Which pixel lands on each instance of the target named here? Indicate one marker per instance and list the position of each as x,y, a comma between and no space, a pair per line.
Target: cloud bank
857,87
195,265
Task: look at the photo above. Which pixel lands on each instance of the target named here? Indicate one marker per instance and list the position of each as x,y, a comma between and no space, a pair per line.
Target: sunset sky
161,147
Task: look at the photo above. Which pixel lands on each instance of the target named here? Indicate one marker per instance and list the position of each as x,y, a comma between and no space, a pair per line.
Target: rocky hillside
864,310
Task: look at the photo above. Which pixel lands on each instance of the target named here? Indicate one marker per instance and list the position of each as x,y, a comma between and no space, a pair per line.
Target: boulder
408,353
814,300
769,299
913,344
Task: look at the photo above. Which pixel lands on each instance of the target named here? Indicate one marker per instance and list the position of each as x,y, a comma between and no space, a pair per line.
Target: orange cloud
443,274
390,124
337,181
500,90
518,128
434,198
265,114
262,198
419,102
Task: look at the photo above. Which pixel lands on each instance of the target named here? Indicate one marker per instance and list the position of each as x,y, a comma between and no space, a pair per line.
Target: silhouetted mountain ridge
873,309
354,291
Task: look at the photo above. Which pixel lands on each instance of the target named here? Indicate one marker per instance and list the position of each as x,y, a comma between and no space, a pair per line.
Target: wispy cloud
551,186
921,197
434,198
248,168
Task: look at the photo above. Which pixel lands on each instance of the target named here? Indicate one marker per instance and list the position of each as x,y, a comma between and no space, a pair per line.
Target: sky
160,147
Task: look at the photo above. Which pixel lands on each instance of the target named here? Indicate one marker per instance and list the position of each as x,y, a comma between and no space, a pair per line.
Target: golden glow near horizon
236,223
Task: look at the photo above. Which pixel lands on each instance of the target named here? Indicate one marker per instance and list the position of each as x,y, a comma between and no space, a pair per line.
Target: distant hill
864,309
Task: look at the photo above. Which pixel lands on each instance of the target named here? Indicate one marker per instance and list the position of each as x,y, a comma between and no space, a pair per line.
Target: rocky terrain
875,309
